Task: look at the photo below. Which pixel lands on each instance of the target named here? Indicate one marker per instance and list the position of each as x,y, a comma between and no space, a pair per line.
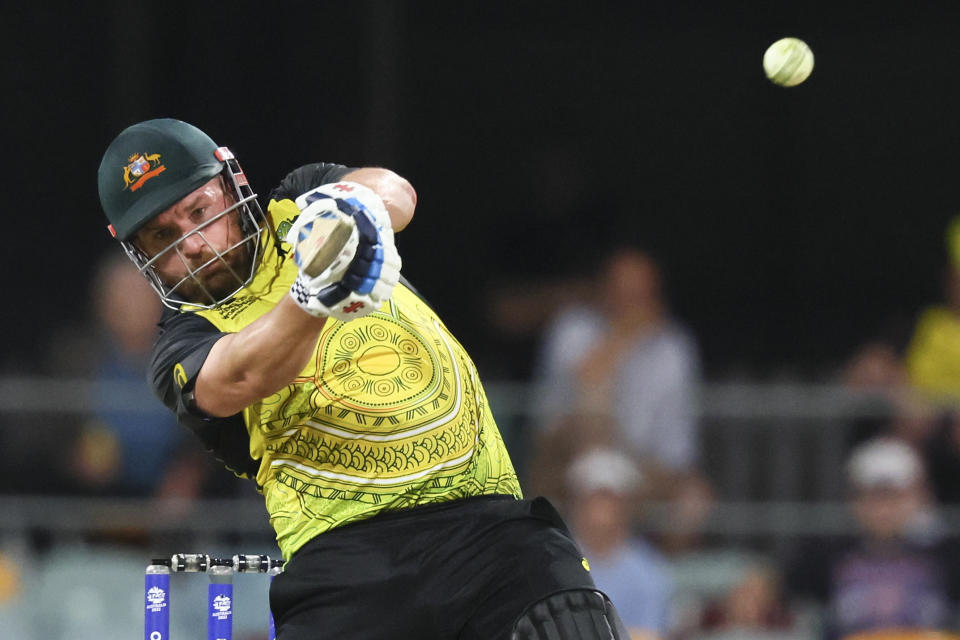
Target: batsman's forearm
398,195
255,362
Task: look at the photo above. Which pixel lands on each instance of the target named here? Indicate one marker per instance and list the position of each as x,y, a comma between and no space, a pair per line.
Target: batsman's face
201,252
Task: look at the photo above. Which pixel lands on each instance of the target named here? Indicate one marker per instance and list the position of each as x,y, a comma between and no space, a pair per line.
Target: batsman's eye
163,234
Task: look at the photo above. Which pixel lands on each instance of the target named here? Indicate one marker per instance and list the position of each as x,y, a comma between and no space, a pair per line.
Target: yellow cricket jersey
389,413
933,356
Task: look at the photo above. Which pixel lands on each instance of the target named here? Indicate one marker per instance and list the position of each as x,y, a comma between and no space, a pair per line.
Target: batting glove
366,270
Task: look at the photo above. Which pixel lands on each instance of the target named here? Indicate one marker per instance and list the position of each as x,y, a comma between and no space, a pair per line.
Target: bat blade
327,237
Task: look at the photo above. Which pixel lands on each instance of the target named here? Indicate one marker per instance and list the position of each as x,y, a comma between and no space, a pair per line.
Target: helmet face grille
190,289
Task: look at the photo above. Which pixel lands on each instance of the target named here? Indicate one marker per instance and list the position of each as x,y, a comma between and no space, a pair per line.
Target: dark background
793,224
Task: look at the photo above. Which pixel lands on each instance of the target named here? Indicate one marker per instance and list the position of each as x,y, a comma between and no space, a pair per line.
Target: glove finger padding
303,225
359,196
358,287
353,193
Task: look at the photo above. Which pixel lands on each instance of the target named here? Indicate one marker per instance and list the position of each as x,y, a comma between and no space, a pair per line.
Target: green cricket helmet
147,169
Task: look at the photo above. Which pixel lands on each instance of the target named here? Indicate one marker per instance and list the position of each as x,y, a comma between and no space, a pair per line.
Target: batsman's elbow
409,204
398,195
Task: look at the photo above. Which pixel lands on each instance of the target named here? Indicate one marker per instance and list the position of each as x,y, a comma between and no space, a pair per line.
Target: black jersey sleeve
308,177
181,348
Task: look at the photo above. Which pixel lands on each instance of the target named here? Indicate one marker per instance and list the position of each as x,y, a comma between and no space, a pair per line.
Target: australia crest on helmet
140,168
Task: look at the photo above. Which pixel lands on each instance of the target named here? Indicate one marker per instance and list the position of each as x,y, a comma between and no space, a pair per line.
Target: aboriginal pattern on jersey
389,413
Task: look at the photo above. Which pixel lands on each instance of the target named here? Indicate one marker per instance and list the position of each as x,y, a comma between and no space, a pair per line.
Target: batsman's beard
210,263
216,278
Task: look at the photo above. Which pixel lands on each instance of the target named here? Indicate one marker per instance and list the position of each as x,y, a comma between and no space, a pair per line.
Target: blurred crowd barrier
772,458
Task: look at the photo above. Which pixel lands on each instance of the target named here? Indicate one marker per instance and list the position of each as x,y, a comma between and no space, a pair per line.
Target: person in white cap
896,571
889,490
604,485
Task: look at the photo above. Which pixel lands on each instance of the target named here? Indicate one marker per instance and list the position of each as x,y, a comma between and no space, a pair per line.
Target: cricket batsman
343,396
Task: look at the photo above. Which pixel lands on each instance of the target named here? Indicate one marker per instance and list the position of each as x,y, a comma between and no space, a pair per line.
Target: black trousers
461,570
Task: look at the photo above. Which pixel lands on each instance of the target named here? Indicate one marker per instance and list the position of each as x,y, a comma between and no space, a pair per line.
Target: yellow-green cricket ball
788,62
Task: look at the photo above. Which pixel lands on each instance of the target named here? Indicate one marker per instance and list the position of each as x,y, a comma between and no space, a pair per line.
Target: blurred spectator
932,364
604,485
617,370
899,571
911,388
130,445
942,452
878,366
933,356
691,502
753,604
878,375
897,409
915,376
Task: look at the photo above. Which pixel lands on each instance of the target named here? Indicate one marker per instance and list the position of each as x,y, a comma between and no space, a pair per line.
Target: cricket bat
327,238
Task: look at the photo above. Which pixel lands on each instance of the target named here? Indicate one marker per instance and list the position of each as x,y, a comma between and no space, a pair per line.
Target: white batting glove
354,193
366,270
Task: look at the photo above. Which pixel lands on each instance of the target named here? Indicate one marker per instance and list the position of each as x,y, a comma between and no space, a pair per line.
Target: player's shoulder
307,177
178,320
179,350
181,332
